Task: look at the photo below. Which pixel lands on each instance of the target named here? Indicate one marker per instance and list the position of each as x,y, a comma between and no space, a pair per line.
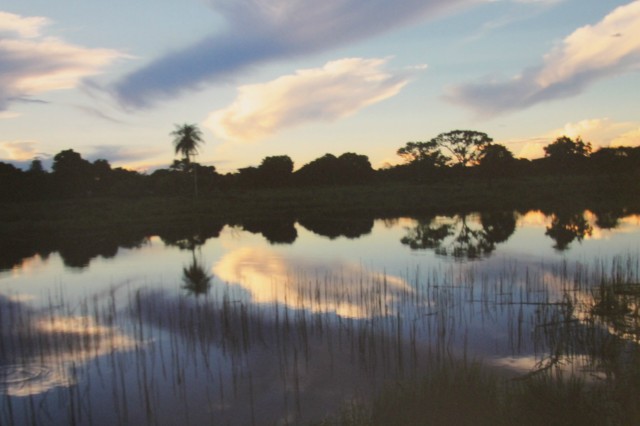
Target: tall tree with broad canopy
187,139
423,152
465,146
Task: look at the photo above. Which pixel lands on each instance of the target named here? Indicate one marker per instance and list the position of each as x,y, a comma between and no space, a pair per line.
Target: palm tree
187,138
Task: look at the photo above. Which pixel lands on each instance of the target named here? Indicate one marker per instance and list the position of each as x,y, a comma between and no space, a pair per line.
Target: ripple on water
30,379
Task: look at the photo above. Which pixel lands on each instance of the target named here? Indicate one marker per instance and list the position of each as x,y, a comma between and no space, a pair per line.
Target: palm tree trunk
195,180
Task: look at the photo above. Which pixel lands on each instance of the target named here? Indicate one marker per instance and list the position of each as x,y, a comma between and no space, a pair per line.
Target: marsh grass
456,393
409,354
587,370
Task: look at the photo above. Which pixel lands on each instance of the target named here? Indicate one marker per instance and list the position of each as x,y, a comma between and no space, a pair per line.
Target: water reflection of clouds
41,352
33,378
30,265
344,288
533,218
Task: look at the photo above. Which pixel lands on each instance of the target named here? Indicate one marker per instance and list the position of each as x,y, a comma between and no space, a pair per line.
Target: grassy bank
544,193
458,393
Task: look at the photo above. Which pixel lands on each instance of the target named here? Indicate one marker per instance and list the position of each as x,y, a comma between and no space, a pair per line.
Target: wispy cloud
338,89
259,31
514,14
122,155
591,53
32,63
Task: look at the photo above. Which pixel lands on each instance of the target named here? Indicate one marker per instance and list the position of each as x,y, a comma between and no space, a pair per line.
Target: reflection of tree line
460,236
464,236
78,249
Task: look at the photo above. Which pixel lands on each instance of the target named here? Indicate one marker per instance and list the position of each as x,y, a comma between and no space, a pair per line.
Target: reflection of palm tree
195,278
190,242
187,138
566,227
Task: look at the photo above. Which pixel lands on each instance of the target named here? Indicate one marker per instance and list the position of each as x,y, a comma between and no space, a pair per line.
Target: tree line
455,156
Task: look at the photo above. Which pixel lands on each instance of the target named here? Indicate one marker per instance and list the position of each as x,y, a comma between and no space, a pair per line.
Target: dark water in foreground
280,324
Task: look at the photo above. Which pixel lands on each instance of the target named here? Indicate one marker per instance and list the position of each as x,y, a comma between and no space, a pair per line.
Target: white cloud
590,53
600,132
33,64
630,138
338,89
11,24
6,115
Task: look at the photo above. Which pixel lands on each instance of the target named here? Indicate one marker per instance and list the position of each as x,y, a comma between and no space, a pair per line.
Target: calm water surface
277,323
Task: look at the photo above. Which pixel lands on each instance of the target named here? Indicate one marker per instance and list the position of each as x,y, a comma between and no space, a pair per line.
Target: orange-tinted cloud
338,89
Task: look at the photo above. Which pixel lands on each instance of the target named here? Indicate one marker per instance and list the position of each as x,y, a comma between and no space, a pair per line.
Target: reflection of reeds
168,358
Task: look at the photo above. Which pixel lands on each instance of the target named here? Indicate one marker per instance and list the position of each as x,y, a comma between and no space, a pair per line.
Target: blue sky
304,78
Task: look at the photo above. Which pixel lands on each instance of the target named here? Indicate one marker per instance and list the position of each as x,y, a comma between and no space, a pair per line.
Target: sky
304,78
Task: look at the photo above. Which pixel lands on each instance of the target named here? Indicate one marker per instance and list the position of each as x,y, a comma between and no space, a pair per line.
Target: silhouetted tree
208,177
329,169
36,167
10,176
275,170
496,160
354,168
34,184
182,165
464,145
565,148
101,175
72,173
423,152
616,161
69,163
128,183
424,160
187,139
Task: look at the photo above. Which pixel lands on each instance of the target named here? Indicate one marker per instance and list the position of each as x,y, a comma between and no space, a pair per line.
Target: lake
281,321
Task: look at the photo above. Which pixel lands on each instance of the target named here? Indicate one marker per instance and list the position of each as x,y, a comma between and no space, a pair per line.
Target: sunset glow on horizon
293,78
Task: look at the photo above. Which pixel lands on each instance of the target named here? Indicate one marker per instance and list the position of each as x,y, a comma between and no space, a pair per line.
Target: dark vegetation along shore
456,171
